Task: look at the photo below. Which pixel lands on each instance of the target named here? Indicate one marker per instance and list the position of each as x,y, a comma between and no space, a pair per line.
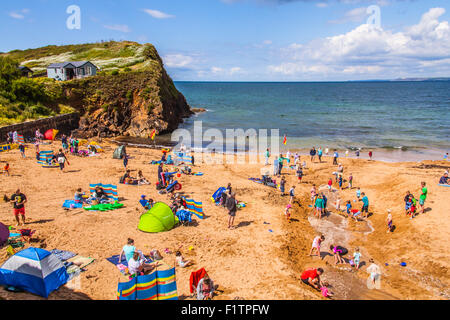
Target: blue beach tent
34,270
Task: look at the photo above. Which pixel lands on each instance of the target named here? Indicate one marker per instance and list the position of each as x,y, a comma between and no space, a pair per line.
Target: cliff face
130,96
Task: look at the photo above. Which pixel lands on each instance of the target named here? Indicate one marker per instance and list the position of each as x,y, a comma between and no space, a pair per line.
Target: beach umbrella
50,134
4,234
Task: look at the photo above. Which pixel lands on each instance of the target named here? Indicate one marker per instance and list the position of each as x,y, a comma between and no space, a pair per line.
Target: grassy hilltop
130,94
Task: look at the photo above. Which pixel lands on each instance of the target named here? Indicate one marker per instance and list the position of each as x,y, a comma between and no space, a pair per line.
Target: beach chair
110,190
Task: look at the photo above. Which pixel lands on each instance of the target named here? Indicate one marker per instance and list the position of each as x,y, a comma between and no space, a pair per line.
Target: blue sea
399,119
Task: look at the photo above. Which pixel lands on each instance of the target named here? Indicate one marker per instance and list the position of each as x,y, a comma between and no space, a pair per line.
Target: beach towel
115,260
104,207
159,285
81,261
110,190
63,255
72,204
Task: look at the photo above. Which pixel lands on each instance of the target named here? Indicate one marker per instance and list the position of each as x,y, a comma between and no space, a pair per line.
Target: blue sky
252,40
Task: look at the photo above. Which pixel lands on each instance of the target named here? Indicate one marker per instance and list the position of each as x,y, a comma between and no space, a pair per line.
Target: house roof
22,68
76,64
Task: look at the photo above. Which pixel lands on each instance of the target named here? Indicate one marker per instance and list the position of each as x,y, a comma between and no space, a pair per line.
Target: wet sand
249,262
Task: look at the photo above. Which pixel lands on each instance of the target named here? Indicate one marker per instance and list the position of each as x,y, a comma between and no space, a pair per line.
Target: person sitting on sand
444,179
337,251
147,204
180,260
205,289
141,179
128,250
311,277
100,196
325,291
137,265
316,245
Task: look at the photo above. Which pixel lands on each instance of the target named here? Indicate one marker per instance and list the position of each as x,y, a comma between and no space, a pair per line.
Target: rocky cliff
123,99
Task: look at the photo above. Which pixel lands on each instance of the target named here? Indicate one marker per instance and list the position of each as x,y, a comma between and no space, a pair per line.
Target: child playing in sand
316,245
299,174
358,193
180,260
330,183
413,207
356,258
291,194
287,212
325,292
350,181
349,208
6,169
337,254
389,221
340,182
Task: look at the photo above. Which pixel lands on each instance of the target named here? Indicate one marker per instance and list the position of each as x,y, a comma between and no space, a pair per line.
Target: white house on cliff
71,70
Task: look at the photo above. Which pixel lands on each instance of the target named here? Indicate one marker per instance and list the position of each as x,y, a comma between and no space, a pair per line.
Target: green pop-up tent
159,218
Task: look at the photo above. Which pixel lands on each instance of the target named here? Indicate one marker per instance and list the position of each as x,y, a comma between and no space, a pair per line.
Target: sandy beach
264,256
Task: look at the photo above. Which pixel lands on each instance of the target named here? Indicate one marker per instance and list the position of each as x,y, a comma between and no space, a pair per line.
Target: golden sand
249,262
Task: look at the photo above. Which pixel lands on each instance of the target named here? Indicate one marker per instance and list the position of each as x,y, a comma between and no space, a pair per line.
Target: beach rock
198,110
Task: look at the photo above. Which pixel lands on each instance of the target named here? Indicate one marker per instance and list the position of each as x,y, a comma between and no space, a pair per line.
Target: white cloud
177,60
158,14
118,27
19,14
424,47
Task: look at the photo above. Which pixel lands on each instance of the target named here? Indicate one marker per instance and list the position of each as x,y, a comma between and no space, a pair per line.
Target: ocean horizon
404,120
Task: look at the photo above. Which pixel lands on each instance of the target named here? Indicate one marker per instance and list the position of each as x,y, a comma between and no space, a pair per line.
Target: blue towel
68,204
115,260
63,255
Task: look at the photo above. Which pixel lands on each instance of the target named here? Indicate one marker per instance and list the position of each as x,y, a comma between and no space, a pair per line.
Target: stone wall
64,123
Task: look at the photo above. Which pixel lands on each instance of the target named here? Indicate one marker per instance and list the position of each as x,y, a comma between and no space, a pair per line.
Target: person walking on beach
370,154
19,199
280,164
22,150
326,151
423,197
61,158
231,206
335,157
282,185
125,160
357,153
312,153
6,169
318,206
350,181
319,154
267,156
365,207
299,173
